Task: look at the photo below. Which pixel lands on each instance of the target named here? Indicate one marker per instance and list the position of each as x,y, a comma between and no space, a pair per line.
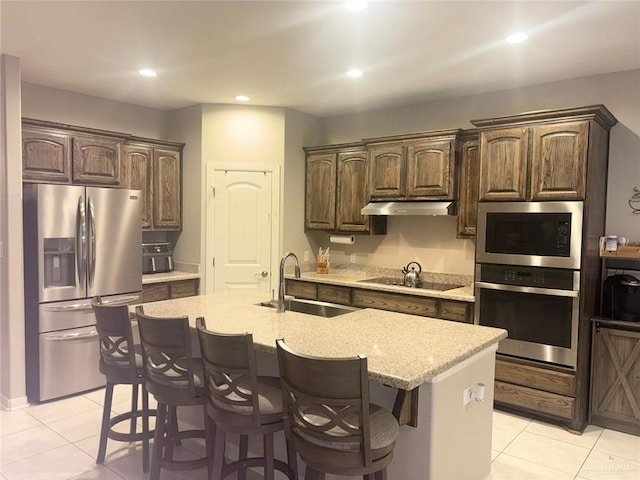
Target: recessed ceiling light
147,72
517,37
356,5
242,98
354,73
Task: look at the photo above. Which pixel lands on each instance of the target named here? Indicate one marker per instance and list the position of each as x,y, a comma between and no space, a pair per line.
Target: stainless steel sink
312,307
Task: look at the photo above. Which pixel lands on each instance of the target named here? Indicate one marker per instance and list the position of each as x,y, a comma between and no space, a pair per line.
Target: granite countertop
348,278
403,351
167,277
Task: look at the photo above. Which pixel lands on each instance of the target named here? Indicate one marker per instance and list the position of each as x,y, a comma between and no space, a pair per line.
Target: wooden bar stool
174,378
121,364
329,419
241,402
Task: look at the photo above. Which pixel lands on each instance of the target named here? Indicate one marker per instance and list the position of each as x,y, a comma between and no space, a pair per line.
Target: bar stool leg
210,436
218,454
268,456
106,417
382,474
145,429
292,458
244,453
134,407
311,474
158,441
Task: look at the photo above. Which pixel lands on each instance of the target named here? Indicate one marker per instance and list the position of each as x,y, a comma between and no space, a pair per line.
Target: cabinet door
136,175
154,292
96,160
320,202
353,193
469,173
387,168
615,379
430,169
559,161
184,288
46,156
166,194
503,164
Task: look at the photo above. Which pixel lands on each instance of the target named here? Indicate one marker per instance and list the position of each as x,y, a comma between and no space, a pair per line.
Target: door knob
262,274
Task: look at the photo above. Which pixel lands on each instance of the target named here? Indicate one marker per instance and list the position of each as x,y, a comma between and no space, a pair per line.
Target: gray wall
62,106
185,125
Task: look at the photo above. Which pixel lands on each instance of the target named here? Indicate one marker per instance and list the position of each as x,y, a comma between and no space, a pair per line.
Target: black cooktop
400,282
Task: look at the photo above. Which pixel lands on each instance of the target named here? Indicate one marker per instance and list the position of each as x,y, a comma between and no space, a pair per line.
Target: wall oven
537,306
542,234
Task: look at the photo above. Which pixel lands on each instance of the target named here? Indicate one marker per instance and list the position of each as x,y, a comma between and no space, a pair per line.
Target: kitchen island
435,360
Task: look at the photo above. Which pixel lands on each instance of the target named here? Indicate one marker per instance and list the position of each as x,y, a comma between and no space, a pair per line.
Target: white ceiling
295,54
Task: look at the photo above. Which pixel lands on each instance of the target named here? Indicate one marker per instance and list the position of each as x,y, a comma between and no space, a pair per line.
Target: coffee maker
621,298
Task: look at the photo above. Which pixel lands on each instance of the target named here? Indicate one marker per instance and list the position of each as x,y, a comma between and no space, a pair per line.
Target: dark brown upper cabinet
55,153
155,170
468,183
540,155
58,153
418,166
337,189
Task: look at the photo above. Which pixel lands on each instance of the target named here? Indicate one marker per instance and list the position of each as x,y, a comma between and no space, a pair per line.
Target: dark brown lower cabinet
615,375
154,292
521,384
396,302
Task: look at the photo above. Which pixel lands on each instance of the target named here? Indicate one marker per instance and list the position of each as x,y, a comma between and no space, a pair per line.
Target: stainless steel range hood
410,208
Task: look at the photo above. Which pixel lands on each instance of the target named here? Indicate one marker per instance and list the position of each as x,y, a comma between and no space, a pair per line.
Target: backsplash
369,270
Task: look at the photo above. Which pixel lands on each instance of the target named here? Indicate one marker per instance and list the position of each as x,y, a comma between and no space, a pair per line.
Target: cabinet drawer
535,377
427,307
154,292
302,289
334,294
536,400
458,311
184,288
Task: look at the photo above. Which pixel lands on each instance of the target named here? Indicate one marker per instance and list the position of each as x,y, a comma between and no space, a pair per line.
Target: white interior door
242,230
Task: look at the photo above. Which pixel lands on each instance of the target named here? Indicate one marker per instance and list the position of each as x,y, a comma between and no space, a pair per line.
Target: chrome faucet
281,289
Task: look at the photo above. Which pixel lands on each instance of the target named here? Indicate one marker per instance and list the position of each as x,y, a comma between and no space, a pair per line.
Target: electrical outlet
306,255
467,395
352,258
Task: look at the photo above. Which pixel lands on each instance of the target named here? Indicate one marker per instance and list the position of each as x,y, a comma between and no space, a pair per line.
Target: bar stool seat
175,379
241,402
121,364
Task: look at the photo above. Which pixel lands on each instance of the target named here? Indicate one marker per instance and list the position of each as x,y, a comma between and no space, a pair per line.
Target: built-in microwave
542,234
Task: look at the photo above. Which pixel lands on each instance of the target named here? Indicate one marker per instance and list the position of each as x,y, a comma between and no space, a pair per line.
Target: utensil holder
322,267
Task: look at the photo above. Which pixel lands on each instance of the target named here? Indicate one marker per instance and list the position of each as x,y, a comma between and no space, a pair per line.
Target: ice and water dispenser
59,262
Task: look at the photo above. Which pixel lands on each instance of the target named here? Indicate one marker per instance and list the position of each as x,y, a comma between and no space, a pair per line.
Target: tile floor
59,441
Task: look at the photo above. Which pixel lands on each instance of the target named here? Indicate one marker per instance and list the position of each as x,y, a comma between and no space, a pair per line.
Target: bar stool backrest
230,371
167,357
326,400
117,352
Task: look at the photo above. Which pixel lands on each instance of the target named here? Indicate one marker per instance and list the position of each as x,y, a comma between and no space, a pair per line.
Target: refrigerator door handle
124,300
92,242
81,238
71,336
77,307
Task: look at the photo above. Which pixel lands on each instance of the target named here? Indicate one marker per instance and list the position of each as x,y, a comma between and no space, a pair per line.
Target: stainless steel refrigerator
79,242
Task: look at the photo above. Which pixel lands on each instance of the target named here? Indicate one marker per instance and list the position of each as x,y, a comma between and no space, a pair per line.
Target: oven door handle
535,290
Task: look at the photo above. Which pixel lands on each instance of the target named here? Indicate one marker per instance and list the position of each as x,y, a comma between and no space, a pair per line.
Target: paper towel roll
344,239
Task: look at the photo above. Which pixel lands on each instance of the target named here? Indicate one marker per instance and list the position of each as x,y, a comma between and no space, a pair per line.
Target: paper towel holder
343,239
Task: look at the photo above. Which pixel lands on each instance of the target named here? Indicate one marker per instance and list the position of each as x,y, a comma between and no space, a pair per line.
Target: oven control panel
527,276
